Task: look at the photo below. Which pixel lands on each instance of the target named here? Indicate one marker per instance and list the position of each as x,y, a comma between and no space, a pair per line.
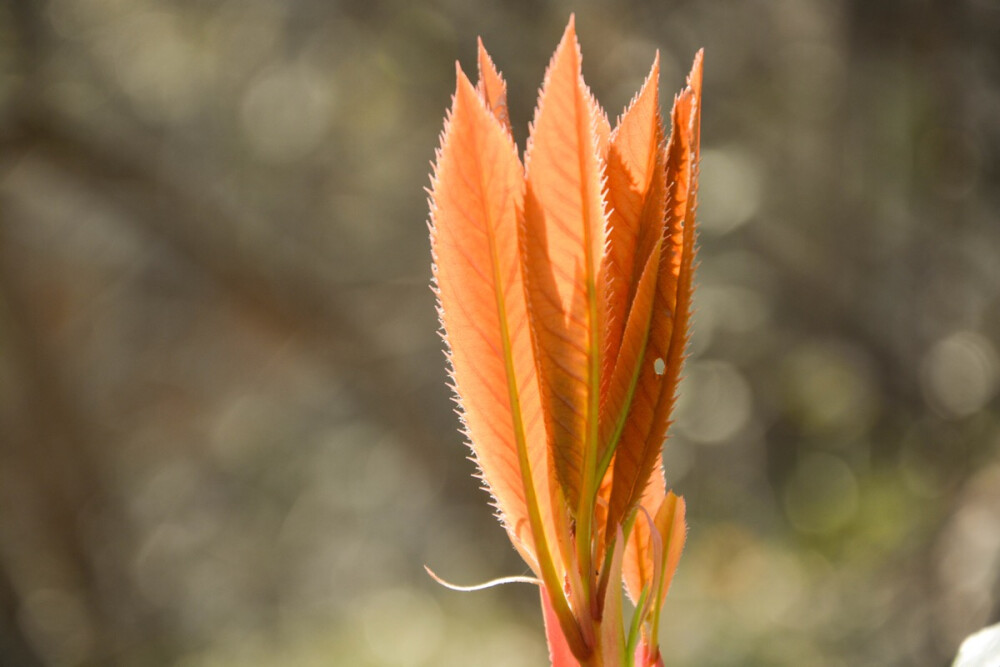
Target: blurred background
225,436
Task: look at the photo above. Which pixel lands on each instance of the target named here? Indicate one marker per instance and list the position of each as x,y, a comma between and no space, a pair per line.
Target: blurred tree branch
14,647
275,282
283,284
51,444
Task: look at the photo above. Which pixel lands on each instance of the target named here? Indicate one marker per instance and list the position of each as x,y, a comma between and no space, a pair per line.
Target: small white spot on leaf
659,366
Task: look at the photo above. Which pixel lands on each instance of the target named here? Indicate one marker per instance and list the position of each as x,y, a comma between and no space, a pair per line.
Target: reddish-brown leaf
625,375
653,399
634,158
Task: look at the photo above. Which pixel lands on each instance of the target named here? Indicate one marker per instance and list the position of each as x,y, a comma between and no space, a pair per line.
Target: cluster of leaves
564,288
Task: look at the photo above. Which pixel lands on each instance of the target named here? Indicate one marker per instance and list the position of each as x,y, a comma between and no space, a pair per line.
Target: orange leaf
639,567
651,559
492,87
673,531
563,239
476,198
602,128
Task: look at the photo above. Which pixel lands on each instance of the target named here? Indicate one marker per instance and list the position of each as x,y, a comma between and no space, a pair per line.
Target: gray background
225,437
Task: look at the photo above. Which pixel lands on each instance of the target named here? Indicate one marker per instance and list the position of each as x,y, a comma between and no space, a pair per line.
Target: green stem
634,627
